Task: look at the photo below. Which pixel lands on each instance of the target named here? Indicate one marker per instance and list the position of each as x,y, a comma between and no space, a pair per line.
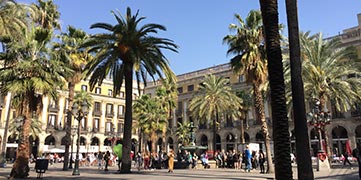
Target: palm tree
303,157
12,19
68,51
214,98
46,14
326,76
248,47
184,133
246,105
151,116
167,95
35,127
126,48
30,76
281,135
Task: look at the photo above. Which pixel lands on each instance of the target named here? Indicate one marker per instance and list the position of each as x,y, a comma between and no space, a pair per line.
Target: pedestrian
170,161
248,157
261,160
106,159
346,155
100,160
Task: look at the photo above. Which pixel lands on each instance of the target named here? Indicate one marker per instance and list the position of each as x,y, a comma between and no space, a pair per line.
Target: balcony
54,109
120,116
97,113
109,114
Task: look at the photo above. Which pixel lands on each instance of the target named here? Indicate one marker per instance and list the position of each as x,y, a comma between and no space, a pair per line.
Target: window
110,92
190,88
180,90
83,123
108,127
52,120
96,123
121,94
52,103
109,109
67,103
98,90
97,107
241,79
120,127
84,87
120,110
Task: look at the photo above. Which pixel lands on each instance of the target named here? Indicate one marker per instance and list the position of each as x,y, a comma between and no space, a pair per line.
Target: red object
348,147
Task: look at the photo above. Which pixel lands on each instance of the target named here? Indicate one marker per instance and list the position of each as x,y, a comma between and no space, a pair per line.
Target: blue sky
198,26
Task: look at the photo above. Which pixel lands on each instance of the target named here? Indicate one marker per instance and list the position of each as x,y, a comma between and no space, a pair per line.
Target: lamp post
79,114
73,132
319,119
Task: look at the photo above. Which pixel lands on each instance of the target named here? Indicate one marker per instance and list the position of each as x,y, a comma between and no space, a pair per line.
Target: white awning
11,145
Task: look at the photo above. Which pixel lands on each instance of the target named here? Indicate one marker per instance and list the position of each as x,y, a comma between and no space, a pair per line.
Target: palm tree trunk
303,156
258,102
128,122
215,120
242,132
322,109
281,135
71,86
21,166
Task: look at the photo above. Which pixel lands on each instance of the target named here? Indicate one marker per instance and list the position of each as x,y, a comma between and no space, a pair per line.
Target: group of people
236,159
160,160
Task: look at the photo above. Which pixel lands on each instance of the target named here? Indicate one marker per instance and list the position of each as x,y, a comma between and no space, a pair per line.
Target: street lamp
319,119
79,114
73,132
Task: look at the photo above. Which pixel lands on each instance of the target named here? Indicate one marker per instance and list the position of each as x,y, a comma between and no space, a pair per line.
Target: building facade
343,132
103,125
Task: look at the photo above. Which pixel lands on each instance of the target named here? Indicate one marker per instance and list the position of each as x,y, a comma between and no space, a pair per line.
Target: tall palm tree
30,76
326,76
247,44
128,47
281,135
167,95
303,157
214,98
13,19
45,14
151,116
68,50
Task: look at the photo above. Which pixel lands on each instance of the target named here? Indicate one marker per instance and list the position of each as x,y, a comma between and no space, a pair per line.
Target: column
102,118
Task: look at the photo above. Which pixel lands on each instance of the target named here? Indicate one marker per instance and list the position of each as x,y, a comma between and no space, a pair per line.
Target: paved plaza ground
55,172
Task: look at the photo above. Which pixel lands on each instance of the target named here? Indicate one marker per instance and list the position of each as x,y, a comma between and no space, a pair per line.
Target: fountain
192,147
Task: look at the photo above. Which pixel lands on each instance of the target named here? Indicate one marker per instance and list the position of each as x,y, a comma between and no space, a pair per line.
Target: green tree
128,47
45,14
184,133
329,73
214,99
246,105
29,76
68,51
12,19
151,116
281,135
247,44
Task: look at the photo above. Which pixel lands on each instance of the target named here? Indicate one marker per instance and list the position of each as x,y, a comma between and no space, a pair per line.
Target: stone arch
358,134
170,143
107,142
63,141
339,139
159,144
94,141
204,140
134,143
259,136
247,138
82,141
50,140
230,142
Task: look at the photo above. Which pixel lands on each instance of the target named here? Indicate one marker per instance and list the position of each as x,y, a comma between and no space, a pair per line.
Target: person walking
248,157
261,160
100,160
345,155
106,159
170,161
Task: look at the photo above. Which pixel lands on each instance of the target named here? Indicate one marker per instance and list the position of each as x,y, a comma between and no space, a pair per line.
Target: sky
198,26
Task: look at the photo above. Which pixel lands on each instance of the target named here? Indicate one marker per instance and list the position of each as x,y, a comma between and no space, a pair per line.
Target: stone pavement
92,173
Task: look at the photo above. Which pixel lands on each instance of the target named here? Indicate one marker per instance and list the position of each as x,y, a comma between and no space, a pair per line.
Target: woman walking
170,161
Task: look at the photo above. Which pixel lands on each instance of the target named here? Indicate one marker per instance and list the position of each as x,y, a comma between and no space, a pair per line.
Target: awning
55,150
11,145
